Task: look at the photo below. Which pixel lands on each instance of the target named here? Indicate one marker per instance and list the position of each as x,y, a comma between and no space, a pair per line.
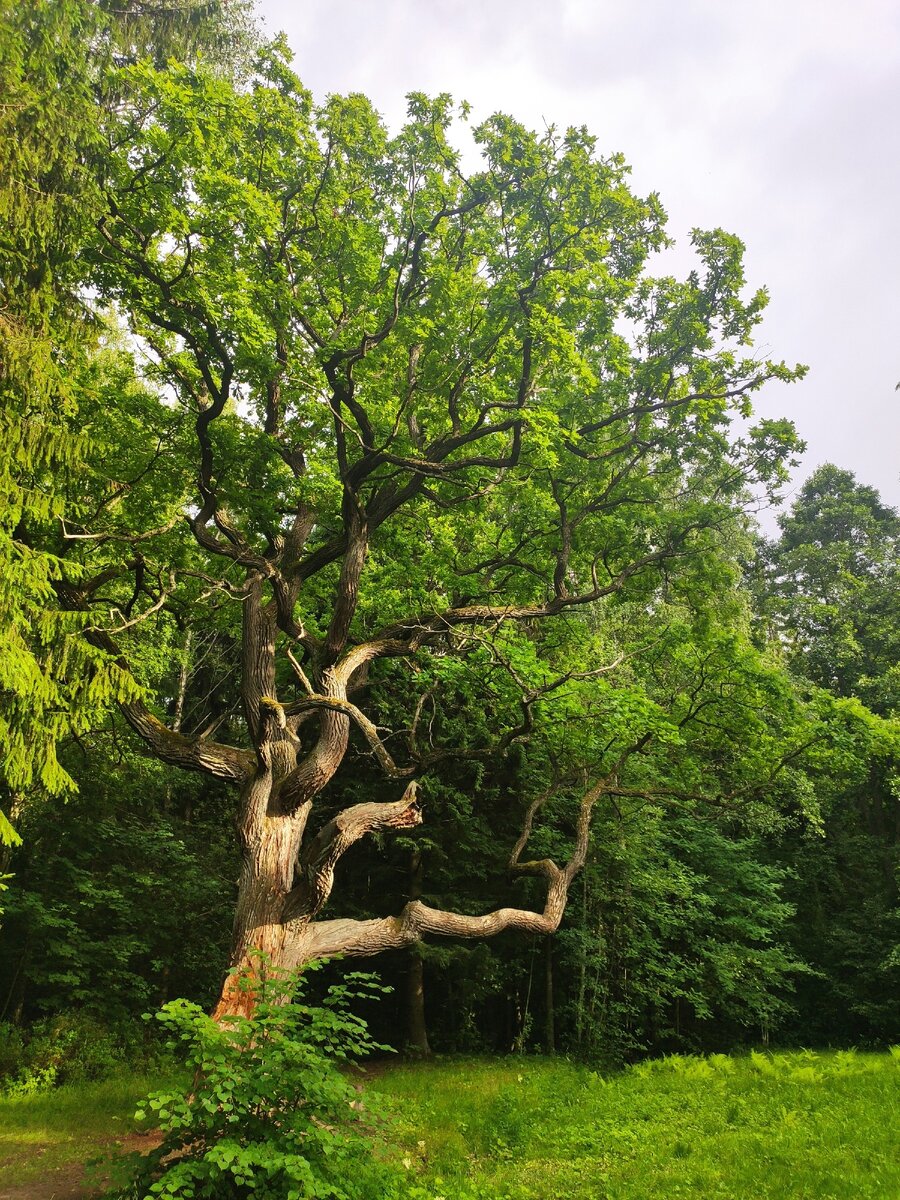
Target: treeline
378,579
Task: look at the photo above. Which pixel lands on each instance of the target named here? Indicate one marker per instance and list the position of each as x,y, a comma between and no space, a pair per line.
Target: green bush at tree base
271,1114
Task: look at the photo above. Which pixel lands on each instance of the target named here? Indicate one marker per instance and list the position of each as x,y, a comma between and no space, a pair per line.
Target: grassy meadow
50,1131
805,1126
801,1126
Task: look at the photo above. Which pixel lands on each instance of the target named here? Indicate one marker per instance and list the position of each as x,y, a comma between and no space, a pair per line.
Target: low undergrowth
73,1047
270,1113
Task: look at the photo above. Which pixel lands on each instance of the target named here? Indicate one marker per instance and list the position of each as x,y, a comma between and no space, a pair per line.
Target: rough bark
283,888
192,754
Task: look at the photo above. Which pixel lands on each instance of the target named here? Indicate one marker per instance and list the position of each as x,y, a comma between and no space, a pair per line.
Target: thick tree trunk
262,942
284,883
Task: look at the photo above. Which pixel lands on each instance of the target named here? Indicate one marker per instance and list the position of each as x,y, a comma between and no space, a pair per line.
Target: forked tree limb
368,729
406,637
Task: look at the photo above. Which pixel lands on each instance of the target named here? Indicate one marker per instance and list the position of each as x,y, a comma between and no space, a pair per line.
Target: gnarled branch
192,754
362,938
319,859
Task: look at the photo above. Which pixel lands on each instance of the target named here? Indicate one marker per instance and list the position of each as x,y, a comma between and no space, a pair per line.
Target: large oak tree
391,405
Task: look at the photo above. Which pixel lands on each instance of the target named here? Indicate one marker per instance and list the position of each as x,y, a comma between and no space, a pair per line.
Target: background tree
63,89
94,922
833,580
829,585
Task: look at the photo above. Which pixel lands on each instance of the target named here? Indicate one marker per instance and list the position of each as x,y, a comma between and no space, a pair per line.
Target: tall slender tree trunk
417,1043
549,1008
416,1027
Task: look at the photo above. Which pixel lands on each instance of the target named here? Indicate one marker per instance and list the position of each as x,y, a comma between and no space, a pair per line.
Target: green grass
798,1126
766,1127
45,1132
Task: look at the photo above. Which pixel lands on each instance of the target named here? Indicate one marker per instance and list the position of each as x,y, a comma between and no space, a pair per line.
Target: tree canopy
383,481
834,584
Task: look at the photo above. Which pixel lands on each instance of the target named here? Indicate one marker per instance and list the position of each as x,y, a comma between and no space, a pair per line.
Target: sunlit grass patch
822,1126
42,1132
798,1126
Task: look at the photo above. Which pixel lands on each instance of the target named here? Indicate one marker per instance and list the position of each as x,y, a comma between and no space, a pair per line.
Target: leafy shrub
271,1115
75,934
74,1047
31,1080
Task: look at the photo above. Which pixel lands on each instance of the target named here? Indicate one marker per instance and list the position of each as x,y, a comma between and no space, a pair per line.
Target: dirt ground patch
68,1182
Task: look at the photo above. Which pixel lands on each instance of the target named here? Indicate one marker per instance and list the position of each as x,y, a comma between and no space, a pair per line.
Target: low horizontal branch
363,938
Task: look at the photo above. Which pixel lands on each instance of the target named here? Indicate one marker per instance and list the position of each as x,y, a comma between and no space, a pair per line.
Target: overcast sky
778,120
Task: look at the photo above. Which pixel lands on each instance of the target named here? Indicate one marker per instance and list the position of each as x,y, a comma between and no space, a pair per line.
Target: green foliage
69,1048
62,85
827,599
95,913
47,203
680,932
336,321
270,1114
247,263
832,582
678,938
767,1127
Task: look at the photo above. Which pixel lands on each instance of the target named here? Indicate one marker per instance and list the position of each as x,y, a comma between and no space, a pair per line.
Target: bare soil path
68,1182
